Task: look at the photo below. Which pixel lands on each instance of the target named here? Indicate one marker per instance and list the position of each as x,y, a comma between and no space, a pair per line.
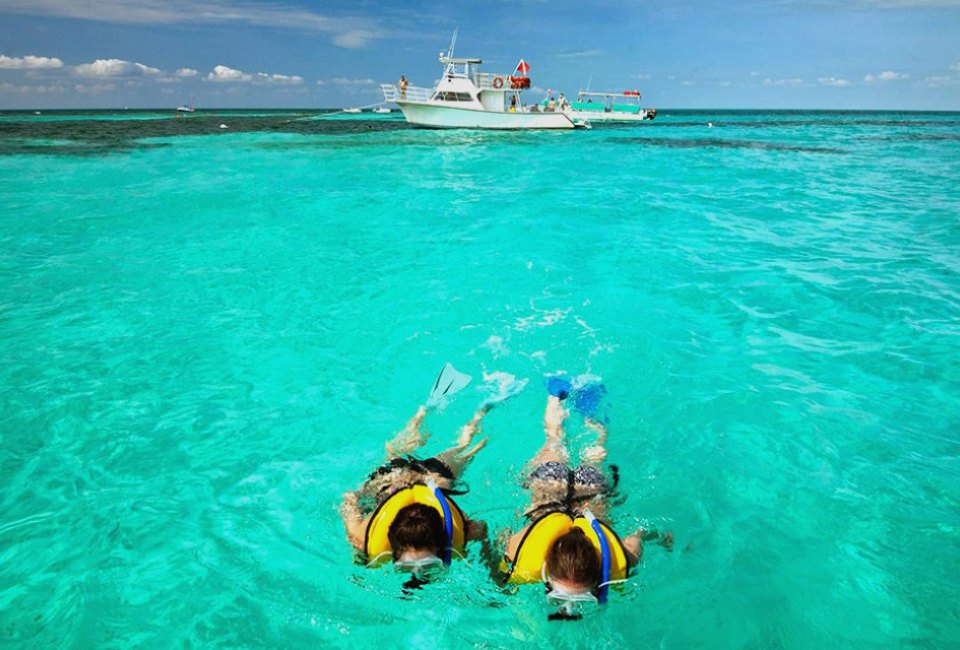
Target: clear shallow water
207,336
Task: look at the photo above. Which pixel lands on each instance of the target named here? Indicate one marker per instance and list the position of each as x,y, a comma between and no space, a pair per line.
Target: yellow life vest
532,551
377,543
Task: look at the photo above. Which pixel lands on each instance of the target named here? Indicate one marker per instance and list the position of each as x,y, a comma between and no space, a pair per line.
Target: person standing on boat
552,105
562,102
513,103
403,87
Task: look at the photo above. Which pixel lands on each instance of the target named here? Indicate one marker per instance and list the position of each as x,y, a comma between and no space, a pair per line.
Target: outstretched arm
634,543
353,520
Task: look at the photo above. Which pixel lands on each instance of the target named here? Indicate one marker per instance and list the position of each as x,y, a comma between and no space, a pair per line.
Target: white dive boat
353,110
466,98
184,108
610,107
382,110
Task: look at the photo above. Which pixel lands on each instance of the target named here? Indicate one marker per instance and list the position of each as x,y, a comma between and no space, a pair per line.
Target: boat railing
490,80
391,93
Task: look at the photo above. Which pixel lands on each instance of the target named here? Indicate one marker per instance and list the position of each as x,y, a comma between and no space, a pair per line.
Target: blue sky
846,54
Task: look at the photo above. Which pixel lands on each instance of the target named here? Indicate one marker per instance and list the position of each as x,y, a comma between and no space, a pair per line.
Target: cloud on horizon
103,68
886,75
225,74
29,62
833,81
782,82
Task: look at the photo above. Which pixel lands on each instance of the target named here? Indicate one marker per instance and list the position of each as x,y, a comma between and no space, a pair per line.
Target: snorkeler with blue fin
566,543
405,512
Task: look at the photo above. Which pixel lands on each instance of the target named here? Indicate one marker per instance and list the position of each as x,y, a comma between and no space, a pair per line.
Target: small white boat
183,108
383,110
353,111
610,107
466,98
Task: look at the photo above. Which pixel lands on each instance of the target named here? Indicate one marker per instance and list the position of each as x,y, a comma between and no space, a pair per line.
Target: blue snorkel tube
447,519
604,556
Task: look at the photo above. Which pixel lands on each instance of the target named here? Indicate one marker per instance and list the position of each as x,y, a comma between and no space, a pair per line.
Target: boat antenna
453,41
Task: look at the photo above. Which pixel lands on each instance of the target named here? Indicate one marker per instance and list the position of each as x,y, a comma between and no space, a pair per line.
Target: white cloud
578,54
686,83
940,82
94,89
29,62
782,82
955,66
354,38
26,90
886,75
263,77
343,81
113,68
185,72
222,73
348,32
726,83
833,81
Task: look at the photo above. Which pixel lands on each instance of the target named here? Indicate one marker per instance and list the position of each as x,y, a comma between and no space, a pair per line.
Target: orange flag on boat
523,67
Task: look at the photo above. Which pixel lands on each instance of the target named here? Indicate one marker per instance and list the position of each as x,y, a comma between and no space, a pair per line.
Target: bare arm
634,543
353,520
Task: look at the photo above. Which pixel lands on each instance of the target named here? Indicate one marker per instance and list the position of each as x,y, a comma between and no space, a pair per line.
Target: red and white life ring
498,82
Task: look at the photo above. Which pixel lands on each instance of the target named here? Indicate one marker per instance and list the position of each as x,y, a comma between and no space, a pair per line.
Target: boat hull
597,116
448,117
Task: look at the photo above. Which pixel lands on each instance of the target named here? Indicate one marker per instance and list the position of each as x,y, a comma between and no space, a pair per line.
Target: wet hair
416,526
573,558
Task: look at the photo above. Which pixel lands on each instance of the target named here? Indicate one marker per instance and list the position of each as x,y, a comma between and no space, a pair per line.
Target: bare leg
459,456
410,439
554,449
596,453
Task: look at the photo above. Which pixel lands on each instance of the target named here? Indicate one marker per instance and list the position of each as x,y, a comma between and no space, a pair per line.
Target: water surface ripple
207,334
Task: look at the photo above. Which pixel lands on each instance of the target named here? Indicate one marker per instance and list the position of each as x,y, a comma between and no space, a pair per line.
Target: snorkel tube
604,557
447,519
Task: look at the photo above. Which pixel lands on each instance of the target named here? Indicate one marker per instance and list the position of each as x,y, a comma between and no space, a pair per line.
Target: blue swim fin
448,382
587,399
558,386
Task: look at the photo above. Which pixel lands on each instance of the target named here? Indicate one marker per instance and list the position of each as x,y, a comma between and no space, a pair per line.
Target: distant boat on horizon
184,108
353,110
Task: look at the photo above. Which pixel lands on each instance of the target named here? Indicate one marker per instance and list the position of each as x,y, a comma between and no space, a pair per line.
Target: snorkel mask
429,565
572,605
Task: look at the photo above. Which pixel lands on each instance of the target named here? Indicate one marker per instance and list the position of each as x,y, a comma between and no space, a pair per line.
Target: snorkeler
566,545
404,511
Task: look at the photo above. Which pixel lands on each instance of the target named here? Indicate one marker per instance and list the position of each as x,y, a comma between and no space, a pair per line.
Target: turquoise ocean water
207,334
